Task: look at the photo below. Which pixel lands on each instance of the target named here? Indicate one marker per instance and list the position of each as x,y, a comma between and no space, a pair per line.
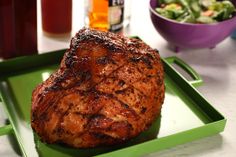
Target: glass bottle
56,17
18,28
105,15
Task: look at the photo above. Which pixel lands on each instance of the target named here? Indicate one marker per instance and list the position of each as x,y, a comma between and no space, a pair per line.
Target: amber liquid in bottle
105,14
98,14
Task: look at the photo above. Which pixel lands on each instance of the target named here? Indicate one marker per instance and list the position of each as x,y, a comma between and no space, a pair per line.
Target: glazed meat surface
108,89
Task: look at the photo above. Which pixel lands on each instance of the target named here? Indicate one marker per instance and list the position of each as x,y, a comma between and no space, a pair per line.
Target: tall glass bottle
105,15
18,28
56,17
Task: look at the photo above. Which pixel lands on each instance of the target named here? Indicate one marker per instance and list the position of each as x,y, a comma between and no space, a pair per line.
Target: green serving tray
186,114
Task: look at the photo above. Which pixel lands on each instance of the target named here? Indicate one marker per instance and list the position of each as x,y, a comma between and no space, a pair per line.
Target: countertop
216,66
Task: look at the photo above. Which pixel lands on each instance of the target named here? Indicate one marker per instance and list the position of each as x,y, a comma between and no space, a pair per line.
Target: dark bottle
18,28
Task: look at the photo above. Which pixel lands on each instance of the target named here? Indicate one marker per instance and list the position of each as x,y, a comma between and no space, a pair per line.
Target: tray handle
6,129
197,80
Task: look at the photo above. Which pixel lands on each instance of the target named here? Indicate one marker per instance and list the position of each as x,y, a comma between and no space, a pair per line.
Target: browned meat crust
107,90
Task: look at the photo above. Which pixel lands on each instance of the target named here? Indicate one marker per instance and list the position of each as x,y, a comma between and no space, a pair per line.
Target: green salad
196,11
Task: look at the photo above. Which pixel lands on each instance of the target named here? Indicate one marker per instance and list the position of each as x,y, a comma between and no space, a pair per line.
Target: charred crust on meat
69,61
97,116
156,97
96,94
100,135
33,116
43,117
143,110
121,83
135,59
159,80
105,60
93,36
125,105
102,60
120,91
150,55
99,122
131,111
156,50
124,125
54,88
145,59
41,98
59,130
85,75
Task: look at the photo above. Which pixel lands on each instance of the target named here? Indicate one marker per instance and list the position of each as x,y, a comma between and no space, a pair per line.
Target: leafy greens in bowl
196,11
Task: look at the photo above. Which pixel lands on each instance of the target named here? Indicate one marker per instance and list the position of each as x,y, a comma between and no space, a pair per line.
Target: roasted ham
108,89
